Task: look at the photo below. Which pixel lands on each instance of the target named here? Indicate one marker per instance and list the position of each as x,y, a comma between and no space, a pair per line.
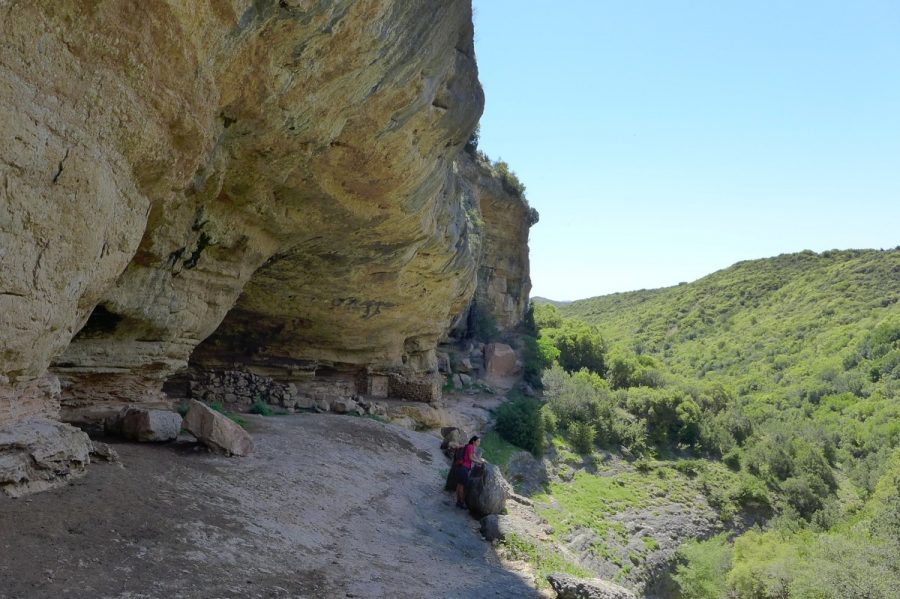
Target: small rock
104,452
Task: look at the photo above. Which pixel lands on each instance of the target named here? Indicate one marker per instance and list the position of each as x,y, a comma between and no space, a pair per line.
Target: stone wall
238,389
426,388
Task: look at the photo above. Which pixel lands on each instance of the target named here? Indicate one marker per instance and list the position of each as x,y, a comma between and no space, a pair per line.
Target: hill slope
774,383
767,324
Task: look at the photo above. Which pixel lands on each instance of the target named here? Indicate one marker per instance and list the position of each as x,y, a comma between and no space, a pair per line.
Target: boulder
569,587
496,527
453,437
465,379
217,431
40,454
457,381
145,425
500,360
487,491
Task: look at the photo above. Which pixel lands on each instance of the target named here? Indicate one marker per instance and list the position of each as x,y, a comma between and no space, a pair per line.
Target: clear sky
664,140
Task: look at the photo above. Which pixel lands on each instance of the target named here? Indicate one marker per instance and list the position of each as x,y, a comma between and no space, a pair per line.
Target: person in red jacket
465,457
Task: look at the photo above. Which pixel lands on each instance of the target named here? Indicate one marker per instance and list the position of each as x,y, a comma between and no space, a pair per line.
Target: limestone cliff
277,182
506,217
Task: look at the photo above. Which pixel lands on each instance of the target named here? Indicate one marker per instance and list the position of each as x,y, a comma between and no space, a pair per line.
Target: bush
702,568
482,324
519,421
262,408
580,346
509,180
471,146
539,354
582,436
551,424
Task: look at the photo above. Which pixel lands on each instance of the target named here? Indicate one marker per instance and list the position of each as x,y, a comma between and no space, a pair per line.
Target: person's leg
462,479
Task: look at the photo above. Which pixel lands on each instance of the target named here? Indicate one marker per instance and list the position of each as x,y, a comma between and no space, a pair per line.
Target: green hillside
770,322
776,384
809,340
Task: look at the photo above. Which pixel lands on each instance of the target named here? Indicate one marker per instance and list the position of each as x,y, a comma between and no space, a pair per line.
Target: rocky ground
327,506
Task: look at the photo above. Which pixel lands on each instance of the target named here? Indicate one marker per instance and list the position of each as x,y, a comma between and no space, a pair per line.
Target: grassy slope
762,323
790,332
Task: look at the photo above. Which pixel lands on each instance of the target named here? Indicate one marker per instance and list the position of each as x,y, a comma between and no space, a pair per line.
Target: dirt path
328,506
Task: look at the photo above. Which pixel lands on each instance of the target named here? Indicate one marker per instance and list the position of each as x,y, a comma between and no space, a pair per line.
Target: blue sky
664,140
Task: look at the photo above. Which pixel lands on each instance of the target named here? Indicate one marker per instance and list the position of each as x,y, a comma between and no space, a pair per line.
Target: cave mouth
101,323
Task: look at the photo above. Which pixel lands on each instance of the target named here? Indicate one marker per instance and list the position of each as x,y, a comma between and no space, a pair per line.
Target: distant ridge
543,300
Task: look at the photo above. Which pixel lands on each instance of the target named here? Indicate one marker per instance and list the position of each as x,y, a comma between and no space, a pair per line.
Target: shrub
580,346
483,324
582,436
262,408
519,421
539,354
471,146
509,180
702,568
551,424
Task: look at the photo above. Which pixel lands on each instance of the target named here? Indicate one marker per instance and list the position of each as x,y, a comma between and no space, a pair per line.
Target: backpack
459,454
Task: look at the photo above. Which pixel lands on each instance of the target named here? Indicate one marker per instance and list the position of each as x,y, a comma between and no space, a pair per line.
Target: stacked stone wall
426,389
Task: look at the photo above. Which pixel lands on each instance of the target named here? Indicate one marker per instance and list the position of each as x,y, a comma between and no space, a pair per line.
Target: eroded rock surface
40,453
569,587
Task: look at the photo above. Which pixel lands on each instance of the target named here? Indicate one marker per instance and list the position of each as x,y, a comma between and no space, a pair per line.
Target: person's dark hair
473,439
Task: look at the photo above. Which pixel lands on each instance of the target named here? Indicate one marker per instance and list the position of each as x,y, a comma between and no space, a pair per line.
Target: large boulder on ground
140,424
500,360
39,454
487,491
499,527
217,431
569,587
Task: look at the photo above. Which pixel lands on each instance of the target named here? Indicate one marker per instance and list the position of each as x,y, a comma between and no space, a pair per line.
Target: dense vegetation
782,373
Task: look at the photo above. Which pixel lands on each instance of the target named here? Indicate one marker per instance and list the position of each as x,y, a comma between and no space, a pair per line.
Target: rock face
39,453
499,360
503,267
217,431
569,587
275,186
